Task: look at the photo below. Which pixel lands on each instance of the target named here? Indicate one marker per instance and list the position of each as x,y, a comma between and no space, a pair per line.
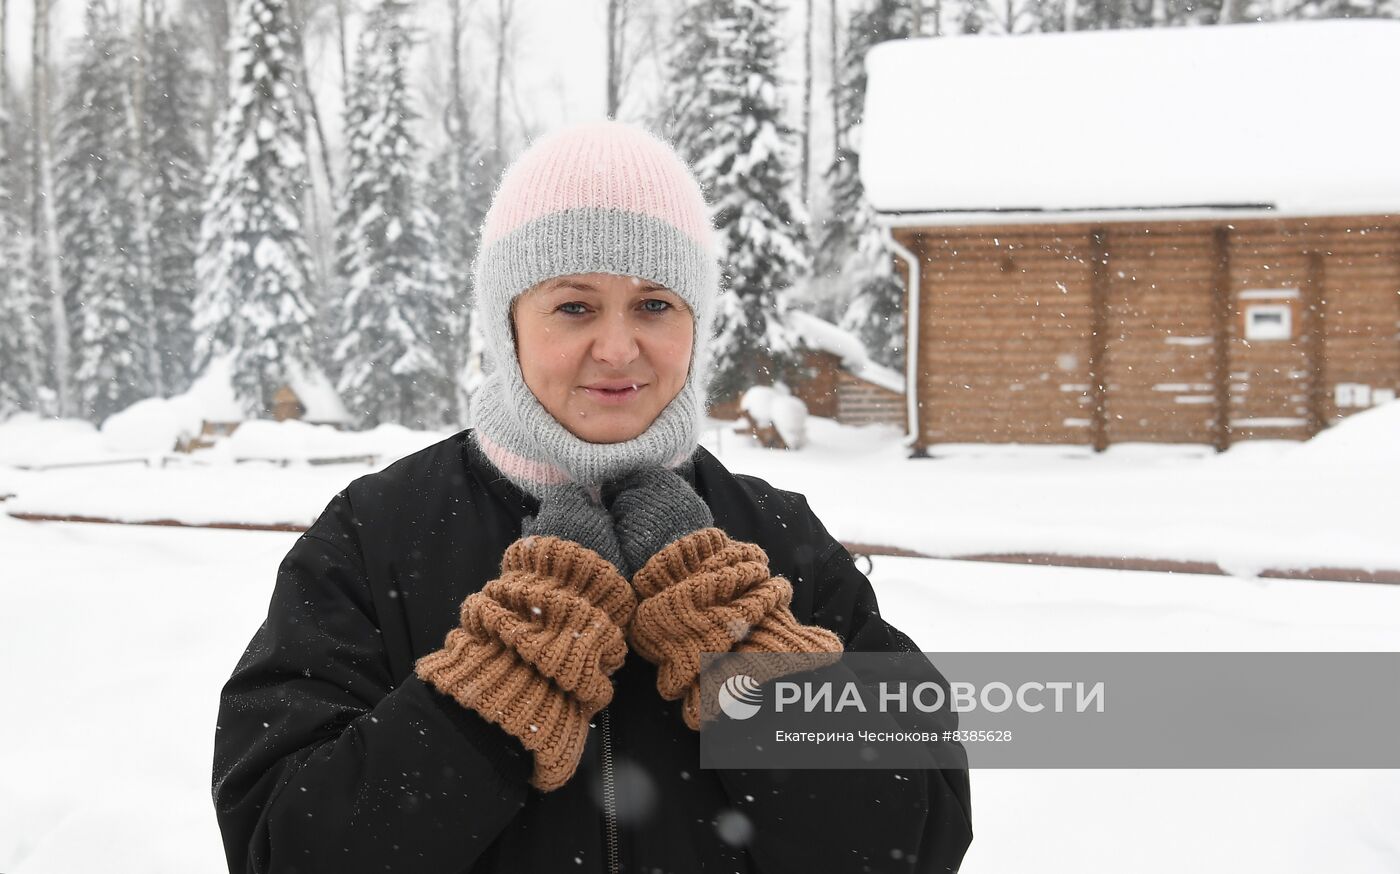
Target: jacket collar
496,482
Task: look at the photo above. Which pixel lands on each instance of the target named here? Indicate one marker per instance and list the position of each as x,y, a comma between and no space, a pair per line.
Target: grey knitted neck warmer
532,449
599,197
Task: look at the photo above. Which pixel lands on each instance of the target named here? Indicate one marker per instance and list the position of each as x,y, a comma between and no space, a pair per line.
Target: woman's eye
582,309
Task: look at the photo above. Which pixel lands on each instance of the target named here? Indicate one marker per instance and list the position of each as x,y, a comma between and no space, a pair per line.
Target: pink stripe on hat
599,165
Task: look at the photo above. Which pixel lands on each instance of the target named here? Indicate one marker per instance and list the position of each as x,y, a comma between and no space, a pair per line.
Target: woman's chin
607,426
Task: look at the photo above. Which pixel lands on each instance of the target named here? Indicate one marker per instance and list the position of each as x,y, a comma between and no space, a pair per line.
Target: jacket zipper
609,794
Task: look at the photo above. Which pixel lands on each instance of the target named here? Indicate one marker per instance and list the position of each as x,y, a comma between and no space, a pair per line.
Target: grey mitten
653,508
567,511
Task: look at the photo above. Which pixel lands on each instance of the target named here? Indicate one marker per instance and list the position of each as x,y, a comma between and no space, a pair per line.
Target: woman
483,658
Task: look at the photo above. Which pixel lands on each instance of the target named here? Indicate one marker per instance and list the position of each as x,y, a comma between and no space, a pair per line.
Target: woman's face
578,336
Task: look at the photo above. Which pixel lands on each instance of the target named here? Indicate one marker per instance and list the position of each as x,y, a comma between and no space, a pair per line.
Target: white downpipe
911,332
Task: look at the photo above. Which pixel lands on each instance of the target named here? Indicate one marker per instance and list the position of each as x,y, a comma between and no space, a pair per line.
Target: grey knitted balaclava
598,197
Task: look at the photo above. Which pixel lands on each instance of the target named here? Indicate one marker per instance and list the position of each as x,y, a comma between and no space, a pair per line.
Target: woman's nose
616,342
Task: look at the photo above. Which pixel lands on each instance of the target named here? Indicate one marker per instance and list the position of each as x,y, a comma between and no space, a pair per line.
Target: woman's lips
614,398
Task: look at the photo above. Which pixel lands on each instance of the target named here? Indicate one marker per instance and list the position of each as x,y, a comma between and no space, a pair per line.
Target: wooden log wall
817,388
1360,278
1100,334
1161,334
1003,340
865,403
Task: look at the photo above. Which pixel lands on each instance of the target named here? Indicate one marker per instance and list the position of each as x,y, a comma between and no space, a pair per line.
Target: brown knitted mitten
536,649
708,593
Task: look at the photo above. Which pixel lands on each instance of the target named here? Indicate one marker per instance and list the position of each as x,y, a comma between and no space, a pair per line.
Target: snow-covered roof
819,334
317,395
155,424
1286,118
211,397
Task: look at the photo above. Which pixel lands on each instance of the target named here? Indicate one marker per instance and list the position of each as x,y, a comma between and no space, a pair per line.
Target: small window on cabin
1268,321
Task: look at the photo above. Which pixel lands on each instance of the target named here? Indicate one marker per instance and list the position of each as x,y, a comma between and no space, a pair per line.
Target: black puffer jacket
331,755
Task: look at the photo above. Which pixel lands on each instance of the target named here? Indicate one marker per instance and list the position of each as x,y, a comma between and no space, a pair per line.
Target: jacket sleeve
323,761
860,820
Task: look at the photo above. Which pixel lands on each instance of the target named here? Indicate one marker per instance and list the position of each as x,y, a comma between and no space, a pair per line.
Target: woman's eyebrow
584,286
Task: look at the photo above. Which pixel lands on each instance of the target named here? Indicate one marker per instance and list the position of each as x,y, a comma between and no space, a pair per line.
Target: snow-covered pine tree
869,25
1063,15
95,185
682,114
727,119
18,338
1275,10
19,341
174,169
254,266
458,206
851,243
467,168
466,173
393,358
1007,17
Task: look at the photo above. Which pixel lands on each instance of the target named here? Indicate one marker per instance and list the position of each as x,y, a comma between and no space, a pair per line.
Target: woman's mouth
614,396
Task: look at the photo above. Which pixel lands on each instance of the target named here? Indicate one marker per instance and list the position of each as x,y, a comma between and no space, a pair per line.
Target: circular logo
740,696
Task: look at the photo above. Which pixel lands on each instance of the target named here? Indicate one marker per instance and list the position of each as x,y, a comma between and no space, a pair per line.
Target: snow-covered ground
1261,505
115,641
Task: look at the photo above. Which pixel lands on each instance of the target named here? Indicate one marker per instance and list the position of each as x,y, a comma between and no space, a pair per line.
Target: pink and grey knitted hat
598,197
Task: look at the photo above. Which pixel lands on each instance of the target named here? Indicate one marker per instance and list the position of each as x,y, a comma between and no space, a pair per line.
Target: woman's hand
699,591
568,512
708,593
535,649
652,508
